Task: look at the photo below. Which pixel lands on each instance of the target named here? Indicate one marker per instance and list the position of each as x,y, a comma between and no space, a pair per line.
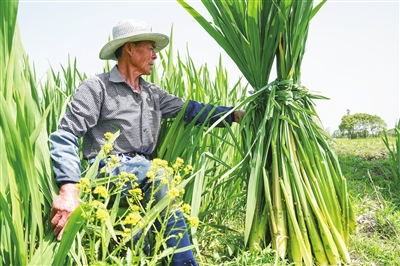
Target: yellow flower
133,177
135,208
84,182
86,215
177,179
108,135
133,218
153,168
141,224
102,214
160,162
169,169
126,232
166,174
84,185
136,192
194,221
156,160
151,175
107,148
173,193
182,191
101,191
178,164
95,203
186,208
123,174
114,160
188,169
179,161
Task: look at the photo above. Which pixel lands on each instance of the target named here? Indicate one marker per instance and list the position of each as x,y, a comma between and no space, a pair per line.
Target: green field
376,201
218,189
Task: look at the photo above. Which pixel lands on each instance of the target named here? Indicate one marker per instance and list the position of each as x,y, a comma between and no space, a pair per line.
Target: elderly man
120,99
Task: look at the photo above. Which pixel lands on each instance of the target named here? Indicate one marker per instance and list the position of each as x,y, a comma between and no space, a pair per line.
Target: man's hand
238,114
63,205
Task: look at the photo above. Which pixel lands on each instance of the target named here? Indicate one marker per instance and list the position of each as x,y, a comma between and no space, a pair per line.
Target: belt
130,154
134,153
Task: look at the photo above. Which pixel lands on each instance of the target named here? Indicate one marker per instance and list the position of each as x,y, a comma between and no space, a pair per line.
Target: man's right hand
63,205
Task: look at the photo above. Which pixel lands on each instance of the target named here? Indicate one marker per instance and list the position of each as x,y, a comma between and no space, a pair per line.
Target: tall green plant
394,154
296,195
25,193
212,151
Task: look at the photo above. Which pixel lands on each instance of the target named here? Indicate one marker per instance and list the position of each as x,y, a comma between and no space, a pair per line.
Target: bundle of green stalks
297,197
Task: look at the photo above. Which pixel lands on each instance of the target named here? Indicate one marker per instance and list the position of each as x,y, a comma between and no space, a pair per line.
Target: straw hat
132,30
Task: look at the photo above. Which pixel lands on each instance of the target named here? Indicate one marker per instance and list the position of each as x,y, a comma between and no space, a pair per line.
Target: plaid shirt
106,103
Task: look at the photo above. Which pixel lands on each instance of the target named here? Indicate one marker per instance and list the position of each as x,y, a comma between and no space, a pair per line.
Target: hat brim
108,50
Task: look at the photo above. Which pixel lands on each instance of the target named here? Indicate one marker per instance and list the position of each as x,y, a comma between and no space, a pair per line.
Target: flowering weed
121,213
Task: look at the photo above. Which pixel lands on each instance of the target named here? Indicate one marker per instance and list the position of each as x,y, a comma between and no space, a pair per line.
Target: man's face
143,56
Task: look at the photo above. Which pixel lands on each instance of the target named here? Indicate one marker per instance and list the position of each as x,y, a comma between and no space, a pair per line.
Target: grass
370,148
366,165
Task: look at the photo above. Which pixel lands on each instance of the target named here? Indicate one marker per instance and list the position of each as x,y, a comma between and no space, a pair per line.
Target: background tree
362,125
347,126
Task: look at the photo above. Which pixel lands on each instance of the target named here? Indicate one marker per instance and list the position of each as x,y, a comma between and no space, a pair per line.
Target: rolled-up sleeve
214,112
64,154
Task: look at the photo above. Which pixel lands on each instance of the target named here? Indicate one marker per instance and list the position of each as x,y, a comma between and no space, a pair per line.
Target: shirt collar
116,77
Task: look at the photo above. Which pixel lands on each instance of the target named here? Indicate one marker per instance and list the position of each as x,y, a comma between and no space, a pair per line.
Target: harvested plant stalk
296,194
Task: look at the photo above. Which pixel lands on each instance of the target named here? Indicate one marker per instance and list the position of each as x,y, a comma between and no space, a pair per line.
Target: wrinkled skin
63,205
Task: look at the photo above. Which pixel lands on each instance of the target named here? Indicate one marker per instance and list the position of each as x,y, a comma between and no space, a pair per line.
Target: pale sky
352,51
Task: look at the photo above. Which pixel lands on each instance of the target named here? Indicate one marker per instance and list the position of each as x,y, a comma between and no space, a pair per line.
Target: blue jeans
176,225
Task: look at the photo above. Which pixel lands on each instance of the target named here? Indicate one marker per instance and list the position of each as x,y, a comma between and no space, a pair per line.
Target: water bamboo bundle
296,194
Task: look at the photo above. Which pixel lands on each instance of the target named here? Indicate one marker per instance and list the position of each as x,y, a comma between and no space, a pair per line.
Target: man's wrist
69,188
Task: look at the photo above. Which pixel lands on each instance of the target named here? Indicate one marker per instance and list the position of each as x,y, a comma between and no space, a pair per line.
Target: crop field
271,190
